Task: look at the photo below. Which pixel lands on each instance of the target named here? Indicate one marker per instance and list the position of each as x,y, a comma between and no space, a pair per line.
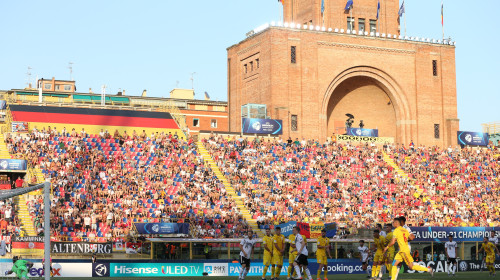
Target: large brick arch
387,84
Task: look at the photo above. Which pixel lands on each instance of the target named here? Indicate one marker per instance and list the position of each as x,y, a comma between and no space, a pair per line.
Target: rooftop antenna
28,77
70,67
192,80
103,95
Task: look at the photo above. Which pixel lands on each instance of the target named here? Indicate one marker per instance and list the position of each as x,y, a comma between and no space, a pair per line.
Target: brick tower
314,68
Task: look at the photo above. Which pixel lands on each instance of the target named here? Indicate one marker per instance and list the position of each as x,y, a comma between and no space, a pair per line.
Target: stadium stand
103,184
356,186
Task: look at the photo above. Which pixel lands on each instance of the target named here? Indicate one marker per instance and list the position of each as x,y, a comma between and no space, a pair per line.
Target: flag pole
405,21
351,20
442,17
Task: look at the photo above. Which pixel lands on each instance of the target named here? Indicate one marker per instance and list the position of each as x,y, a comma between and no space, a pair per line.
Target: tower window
251,66
293,54
257,62
361,25
196,122
294,123
373,26
350,23
436,131
435,68
246,68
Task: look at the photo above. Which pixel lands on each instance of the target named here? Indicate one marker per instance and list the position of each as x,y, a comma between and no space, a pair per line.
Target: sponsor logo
256,126
358,132
468,137
463,266
39,271
216,269
155,228
100,270
4,164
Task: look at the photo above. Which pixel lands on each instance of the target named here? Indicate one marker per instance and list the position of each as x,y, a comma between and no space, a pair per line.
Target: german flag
27,245
94,120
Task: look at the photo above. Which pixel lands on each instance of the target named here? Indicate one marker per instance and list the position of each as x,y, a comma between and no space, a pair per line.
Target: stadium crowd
103,183
353,186
462,184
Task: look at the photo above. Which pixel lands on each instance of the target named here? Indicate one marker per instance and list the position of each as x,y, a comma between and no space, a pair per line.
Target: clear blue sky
136,45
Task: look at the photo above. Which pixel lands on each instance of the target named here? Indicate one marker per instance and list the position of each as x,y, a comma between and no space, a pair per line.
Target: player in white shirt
381,230
246,247
364,253
493,238
451,254
302,253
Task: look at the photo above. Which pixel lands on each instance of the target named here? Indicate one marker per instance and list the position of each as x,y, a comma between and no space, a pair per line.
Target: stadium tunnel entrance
370,95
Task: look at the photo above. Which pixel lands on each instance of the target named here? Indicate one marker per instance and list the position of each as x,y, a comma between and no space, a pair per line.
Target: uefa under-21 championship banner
162,228
472,138
262,126
13,164
356,131
440,234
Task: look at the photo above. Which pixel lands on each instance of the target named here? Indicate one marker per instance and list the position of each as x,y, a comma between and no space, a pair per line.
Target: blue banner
355,131
262,126
440,234
350,266
287,228
468,138
155,269
162,228
331,230
13,164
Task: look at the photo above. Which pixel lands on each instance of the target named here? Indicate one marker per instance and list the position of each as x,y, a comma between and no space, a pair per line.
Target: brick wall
369,72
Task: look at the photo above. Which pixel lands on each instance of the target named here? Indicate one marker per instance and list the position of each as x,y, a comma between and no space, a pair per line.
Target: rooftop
341,31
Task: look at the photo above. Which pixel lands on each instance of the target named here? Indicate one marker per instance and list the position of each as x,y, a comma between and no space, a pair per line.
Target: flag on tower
378,8
349,4
281,1
402,9
442,13
322,6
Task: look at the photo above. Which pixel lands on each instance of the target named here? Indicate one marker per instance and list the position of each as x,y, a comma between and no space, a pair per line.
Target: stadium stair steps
229,189
420,191
24,216
4,152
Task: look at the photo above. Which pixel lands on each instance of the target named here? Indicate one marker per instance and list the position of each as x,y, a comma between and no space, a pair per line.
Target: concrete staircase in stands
402,173
22,209
24,216
229,189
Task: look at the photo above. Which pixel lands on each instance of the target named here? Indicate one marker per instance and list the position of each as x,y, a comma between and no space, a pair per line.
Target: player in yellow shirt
278,252
378,248
323,244
267,242
401,236
389,255
489,248
292,254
